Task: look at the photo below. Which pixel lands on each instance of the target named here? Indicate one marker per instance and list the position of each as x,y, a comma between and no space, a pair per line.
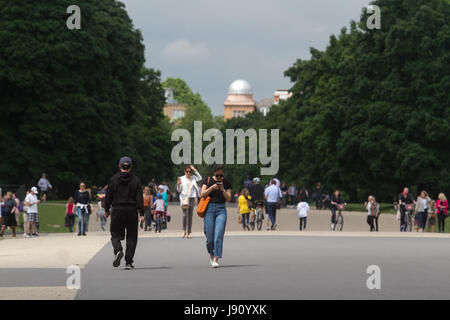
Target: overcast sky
211,43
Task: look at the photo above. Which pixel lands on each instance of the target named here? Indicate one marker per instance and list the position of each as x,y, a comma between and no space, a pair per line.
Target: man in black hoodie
124,195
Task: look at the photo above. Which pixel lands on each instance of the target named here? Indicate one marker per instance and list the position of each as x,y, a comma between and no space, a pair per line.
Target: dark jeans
441,221
333,214
302,223
124,219
422,219
319,203
375,219
284,201
272,212
403,222
245,219
370,220
71,218
148,217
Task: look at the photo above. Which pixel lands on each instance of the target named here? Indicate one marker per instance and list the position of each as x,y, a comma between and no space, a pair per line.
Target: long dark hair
219,167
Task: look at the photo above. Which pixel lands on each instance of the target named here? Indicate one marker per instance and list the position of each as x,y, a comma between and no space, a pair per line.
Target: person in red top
70,216
442,211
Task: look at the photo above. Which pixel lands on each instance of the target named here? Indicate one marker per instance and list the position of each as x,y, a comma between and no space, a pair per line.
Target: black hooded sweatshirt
124,190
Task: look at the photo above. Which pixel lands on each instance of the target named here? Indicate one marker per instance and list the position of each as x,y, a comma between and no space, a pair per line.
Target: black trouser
441,221
302,223
71,218
375,219
292,198
148,218
319,204
124,218
403,222
370,222
422,218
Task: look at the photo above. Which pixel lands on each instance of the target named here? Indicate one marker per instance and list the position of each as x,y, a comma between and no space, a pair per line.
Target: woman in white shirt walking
188,188
421,212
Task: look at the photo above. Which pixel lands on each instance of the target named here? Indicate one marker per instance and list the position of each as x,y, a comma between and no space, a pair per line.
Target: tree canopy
371,113
197,109
74,101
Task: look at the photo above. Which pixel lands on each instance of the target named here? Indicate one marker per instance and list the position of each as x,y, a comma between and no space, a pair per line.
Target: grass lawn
51,218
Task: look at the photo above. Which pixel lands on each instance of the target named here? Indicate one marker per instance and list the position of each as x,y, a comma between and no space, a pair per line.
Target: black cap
125,162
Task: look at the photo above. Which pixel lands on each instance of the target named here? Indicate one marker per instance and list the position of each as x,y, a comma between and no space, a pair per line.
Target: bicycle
340,218
408,217
259,216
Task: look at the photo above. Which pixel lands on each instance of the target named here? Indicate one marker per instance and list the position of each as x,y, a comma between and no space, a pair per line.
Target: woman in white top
188,188
373,210
421,211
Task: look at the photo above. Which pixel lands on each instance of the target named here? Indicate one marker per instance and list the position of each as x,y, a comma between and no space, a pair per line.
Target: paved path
283,264
275,267
287,220
270,265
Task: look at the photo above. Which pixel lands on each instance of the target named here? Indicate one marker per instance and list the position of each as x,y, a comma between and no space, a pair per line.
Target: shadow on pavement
239,265
153,268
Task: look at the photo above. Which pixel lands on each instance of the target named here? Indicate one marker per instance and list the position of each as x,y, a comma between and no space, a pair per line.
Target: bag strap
207,182
190,187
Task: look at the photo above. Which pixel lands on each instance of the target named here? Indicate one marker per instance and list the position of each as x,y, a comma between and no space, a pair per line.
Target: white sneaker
332,227
215,264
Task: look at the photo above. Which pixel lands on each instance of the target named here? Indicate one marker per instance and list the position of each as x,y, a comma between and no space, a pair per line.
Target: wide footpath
282,264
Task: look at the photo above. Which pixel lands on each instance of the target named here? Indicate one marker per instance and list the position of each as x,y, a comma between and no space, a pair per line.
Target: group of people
12,207
131,206
80,207
424,211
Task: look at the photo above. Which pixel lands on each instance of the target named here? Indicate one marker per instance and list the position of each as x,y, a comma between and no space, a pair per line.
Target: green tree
68,97
371,113
149,136
197,109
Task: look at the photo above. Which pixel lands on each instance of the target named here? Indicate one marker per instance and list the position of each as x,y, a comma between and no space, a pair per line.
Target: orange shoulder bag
203,204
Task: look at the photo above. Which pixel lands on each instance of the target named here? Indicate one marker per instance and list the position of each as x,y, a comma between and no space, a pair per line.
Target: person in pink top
70,214
442,211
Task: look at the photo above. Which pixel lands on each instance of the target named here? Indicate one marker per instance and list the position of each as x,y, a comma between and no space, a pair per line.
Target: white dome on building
240,87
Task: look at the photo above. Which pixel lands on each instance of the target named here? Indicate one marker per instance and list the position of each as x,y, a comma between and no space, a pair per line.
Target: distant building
172,109
281,94
264,105
239,101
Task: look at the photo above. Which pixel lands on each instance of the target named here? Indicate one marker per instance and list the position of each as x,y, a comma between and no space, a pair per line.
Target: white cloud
186,51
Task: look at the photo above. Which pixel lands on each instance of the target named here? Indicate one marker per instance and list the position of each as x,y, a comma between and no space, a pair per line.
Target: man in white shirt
273,195
31,201
277,182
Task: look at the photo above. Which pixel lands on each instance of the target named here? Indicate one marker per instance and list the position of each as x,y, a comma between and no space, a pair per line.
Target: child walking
432,216
303,210
70,214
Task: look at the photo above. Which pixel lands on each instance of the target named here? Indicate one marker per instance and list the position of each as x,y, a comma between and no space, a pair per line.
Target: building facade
239,100
281,94
172,109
